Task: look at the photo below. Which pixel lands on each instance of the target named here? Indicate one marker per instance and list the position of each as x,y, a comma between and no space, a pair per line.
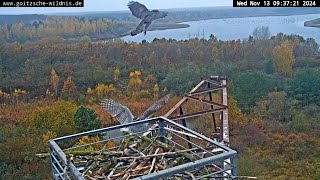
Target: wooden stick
156,155
153,161
114,169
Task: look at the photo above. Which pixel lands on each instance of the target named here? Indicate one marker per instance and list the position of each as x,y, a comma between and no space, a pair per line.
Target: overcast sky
116,5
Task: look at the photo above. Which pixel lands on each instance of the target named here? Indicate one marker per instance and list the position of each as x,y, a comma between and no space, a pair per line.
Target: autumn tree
276,107
156,90
135,80
56,118
116,74
149,82
54,81
101,90
69,86
86,119
283,58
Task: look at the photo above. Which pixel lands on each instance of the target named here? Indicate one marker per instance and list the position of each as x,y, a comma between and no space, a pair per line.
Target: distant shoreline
313,23
184,24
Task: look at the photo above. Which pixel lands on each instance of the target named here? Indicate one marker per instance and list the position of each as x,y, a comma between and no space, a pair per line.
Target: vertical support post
234,166
224,118
162,130
213,117
185,125
52,162
221,118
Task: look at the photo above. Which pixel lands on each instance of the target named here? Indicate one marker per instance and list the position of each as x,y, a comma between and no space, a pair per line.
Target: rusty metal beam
212,107
190,115
206,101
183,100
185,125
207,90
213,82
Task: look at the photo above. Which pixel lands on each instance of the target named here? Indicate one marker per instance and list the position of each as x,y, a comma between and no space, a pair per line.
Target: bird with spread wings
124,115
140,11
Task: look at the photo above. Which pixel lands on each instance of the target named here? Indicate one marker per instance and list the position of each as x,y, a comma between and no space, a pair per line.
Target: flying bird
140,11
124,115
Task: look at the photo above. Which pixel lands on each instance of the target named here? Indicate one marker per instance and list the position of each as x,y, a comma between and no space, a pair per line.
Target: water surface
236,28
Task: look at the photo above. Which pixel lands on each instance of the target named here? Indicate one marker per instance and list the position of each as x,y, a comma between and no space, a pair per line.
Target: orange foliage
69,86
20,112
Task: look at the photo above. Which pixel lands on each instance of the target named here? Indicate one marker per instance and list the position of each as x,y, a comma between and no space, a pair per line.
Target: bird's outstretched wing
156,106
159,15
118,111
138,10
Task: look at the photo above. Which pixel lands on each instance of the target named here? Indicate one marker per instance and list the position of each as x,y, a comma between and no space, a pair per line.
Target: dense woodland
46,86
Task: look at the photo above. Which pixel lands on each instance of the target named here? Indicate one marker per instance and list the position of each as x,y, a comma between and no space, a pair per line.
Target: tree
86,119
250,87
135,80
305,86
101,90
283,58
183,79
56,118
156,90
268,67
69,86
277,106
261,33
54,81
116,74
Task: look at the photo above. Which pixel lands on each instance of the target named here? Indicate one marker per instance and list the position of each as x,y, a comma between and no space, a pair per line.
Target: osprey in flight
140,11
124,115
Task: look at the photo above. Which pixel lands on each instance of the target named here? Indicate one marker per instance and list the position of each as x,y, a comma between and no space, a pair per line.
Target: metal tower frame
206,88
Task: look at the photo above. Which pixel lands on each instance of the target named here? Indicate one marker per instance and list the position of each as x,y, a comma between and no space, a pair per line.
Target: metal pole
162,130
234,166
213,117
52,162
224,118
185,125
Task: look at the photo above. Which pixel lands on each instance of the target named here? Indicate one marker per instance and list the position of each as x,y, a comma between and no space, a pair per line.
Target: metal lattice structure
207,152
210,98
203,94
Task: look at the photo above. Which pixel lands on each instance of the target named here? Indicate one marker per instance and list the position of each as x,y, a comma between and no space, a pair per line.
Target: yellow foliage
57,118
86,140
103,89
18,92
137,73
132,74
116,74
54,81
135,81
141,94
90,91
48,136
235,115
156,90
283,58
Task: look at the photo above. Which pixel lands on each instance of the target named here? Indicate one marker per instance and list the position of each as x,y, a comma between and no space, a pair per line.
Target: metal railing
207,152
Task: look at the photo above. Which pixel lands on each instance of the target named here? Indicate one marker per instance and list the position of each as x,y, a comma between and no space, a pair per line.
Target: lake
236,28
